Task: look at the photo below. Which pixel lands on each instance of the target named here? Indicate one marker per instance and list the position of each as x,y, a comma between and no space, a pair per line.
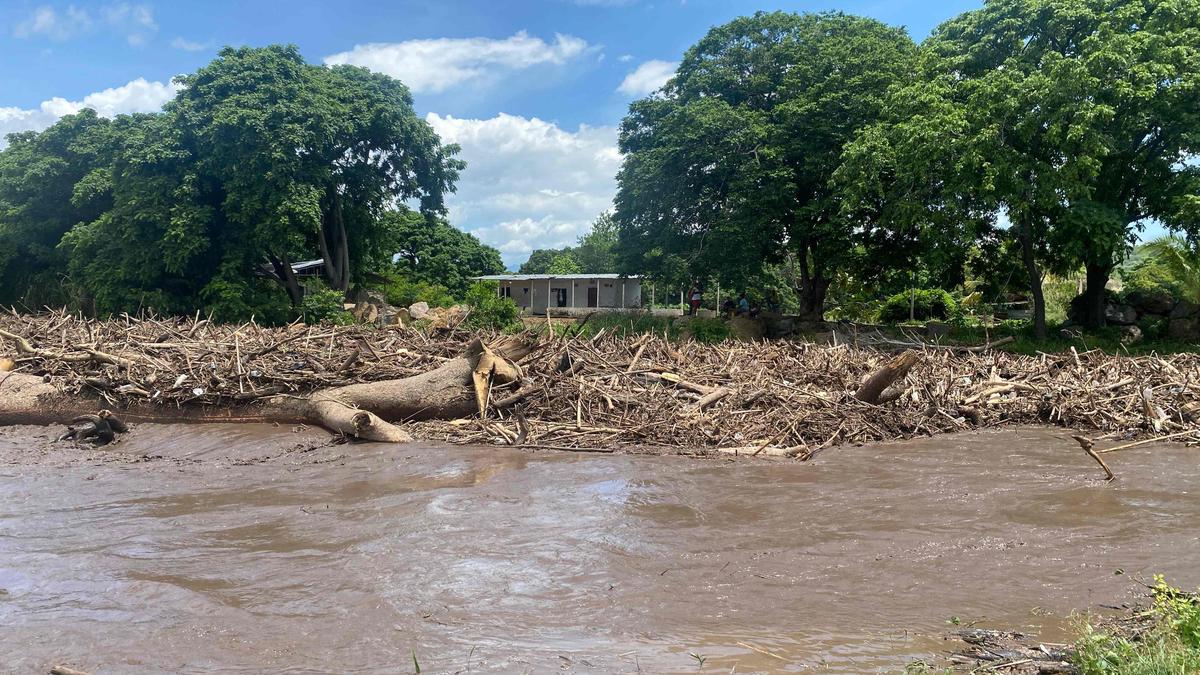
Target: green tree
261,160
595,253
564,263
1073,118
40,176
437,252
540,259
308,158
730,165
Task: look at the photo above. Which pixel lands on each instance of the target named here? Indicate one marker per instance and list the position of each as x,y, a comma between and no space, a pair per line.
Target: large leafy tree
40,174
439,253
729,166
261,160
308,158
1074,119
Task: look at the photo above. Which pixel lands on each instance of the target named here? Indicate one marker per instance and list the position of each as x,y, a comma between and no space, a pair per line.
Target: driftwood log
364,410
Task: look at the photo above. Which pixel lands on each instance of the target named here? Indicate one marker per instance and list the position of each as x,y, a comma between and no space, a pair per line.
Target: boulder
365,312
1129,335
1151,302
1120,314
1187,329
1185,310
418,310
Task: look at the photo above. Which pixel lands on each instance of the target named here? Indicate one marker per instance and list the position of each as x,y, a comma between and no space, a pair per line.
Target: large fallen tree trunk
457,388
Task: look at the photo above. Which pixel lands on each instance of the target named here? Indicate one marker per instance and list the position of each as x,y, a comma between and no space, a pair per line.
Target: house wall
535,295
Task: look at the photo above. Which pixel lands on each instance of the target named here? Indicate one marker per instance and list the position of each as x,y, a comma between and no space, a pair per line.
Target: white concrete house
569,293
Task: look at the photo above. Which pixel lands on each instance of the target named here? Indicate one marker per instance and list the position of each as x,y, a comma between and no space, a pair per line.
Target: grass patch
1170,645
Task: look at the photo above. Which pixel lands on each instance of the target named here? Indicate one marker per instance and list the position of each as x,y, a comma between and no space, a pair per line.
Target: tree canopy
439,253
729,166
261,160
594,253
1071,119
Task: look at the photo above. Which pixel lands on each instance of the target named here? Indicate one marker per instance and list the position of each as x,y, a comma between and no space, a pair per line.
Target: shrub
325,305
709,331
402,291
926,304
489,310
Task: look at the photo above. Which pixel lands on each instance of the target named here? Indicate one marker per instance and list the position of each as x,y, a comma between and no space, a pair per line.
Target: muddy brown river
243,549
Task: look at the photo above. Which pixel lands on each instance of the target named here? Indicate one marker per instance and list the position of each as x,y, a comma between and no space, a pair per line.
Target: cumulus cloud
529,183
138,95
438,64
647,78
133,22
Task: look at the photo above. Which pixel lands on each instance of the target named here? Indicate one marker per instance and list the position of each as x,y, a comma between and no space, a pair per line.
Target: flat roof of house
548,277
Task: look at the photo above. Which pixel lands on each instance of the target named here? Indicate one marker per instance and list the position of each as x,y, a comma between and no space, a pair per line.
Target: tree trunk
813,288
334,244
364,411
1094,296
286,276
1035,279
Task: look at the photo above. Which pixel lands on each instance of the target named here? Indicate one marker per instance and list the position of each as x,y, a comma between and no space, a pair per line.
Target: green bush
926,304
489,309
402,291
709,331
325,305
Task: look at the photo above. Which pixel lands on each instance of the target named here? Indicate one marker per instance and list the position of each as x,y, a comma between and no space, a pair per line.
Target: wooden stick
1086,444
1150,440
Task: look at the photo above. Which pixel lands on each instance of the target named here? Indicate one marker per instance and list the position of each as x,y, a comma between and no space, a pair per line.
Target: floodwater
232,549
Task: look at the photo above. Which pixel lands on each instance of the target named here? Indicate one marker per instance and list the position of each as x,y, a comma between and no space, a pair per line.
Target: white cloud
647,78
625,58
529,183
438,64
47,21
136,22
189,45
138,95
133,22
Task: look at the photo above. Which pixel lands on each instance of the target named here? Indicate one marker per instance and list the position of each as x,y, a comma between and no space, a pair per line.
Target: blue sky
532,90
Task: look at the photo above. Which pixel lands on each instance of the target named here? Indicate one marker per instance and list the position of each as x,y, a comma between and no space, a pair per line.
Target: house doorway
593,299
560,297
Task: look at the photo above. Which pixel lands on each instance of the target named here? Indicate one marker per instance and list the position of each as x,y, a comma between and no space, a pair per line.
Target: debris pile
610,390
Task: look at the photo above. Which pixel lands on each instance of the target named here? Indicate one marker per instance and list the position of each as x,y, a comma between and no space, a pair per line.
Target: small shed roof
547,277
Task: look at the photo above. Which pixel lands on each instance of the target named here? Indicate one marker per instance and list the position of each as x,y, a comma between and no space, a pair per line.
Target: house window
506,292
560,297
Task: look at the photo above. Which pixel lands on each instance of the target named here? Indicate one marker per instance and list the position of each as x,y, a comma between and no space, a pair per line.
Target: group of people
730,308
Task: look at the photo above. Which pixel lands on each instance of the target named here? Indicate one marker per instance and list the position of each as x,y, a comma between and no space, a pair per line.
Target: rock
1187,329
1151,302
1185,309
401,317
418,310
1120,315
376,298
1130,335
365,312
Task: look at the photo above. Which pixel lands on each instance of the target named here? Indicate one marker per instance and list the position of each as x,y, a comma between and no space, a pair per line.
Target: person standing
695,297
